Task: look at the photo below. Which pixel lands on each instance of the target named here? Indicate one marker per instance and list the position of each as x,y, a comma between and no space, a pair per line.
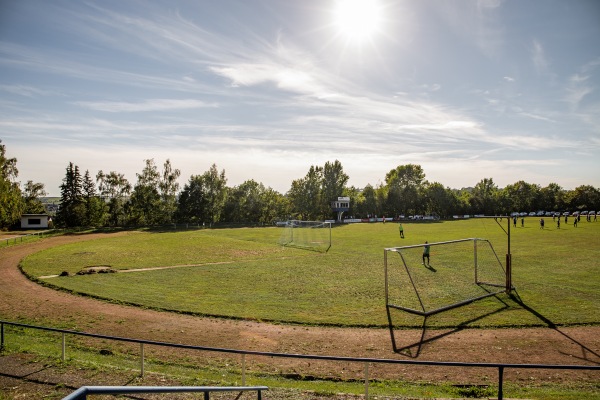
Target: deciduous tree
11,204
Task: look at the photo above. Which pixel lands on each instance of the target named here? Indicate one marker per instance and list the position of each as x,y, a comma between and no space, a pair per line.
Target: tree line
109,199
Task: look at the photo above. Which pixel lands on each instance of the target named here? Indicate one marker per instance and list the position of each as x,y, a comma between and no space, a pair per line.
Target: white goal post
308,235
458,272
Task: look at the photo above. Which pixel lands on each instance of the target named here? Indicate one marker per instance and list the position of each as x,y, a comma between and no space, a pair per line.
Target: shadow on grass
414,348
586,352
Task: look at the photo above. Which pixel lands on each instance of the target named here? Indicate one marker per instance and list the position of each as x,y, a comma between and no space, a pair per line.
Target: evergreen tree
72,207
95,208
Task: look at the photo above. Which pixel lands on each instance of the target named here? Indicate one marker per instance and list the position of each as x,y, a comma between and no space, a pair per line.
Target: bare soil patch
24,299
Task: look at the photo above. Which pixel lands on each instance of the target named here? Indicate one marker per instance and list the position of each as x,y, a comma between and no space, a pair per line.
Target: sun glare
358,20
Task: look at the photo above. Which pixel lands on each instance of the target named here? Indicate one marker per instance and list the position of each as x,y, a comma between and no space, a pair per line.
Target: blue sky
264,89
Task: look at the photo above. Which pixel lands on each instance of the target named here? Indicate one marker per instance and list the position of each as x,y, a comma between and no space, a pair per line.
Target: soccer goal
458,272
309,235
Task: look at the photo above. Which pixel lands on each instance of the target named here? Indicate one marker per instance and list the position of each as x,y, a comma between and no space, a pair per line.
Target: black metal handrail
499,366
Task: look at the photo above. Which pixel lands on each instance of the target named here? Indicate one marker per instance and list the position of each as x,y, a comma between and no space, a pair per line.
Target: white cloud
538,57
145,106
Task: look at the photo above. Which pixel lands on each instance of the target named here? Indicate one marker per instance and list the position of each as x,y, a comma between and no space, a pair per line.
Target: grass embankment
243,273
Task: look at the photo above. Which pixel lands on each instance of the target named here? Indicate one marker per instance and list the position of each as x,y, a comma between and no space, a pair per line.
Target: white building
35,221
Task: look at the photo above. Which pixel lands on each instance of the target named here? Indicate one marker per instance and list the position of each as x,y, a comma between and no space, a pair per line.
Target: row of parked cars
552,213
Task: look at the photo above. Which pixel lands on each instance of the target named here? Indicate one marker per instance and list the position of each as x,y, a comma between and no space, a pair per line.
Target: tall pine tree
72,211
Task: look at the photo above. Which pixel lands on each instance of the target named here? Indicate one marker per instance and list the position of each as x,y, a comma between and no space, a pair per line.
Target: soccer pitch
244,274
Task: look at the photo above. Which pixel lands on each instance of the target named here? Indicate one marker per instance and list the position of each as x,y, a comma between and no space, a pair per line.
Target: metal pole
244,369
500,379
1,336
367,381
475,258
142,360
64,347
508,263
385,271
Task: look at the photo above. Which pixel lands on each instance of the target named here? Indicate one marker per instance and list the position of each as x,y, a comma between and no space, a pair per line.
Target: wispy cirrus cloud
145,106
538,57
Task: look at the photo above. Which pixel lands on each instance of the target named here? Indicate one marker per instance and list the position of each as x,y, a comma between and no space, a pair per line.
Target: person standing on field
522,222
401,230
426,253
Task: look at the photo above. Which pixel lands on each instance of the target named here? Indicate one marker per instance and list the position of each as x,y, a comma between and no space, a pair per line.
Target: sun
358,20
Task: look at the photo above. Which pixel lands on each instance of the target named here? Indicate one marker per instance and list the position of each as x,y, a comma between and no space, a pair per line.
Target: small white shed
35,221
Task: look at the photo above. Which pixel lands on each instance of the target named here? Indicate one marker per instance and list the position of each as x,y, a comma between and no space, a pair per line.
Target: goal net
309,235
457,273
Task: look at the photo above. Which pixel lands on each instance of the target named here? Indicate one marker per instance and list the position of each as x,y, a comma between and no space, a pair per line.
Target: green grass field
244,273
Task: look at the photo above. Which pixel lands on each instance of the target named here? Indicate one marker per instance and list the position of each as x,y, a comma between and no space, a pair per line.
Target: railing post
500,379
64,347
243,369
1,336
142,360
367,381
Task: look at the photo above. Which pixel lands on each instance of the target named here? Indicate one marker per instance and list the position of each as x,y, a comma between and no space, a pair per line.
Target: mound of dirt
97,269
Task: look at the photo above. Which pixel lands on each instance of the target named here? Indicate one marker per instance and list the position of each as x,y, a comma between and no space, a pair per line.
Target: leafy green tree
552,198
439,200
585,197
114,188
357,200
143,207
524,196
305,195
31,198
484,197
203,197
168,188
274,207
369,204
11,203
244,202
71,212
252,202
405,188
192,202
333,185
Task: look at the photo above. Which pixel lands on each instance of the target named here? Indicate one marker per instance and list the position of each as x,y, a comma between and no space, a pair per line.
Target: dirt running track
21,298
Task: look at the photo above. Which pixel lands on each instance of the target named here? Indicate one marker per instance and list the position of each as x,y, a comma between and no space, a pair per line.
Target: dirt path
22,298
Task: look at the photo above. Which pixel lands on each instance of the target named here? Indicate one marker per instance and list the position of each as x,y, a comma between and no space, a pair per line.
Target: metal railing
84,391
19,238
500,367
